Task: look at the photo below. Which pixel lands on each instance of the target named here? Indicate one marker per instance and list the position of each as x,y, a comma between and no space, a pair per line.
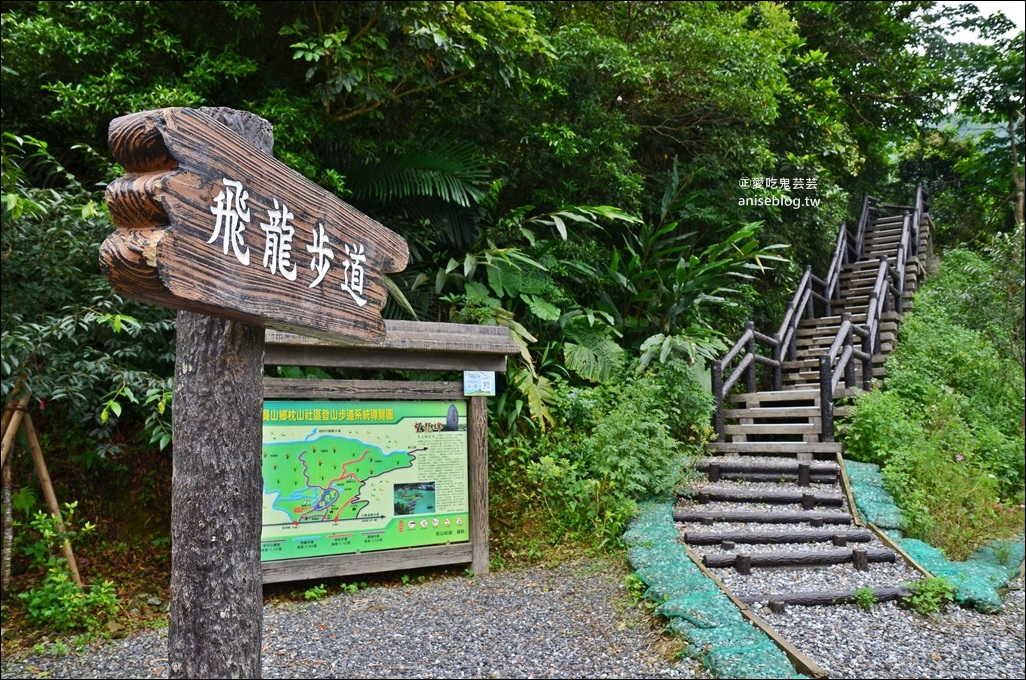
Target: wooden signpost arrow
208,223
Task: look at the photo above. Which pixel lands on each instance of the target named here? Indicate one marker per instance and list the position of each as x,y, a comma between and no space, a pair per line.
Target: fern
447,169
591,354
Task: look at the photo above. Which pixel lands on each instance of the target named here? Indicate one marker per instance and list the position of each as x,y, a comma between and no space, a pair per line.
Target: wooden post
717,390
750,349
826,399
12,421
48,493
860,559
477,444
804,473
743,564
216,616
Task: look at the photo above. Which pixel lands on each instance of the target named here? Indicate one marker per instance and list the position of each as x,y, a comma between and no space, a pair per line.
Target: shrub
879,427
617,448
58,602
948,429
931,595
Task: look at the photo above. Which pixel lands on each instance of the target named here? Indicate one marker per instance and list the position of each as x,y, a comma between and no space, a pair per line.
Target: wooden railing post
867,363
849,366
717,390
917,218
778,368
750,350
826,398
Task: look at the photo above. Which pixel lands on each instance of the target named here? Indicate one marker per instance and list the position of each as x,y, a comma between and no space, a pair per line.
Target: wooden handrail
890,285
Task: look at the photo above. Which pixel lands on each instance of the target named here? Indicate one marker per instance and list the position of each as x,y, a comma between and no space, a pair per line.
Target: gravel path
890,642
570,621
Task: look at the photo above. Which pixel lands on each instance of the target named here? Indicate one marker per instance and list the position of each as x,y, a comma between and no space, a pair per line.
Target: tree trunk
216,616
1018,180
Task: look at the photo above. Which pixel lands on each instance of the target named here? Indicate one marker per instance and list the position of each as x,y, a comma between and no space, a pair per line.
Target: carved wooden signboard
209,224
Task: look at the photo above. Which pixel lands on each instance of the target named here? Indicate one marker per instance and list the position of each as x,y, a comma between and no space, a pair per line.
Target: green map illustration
346,477
321,479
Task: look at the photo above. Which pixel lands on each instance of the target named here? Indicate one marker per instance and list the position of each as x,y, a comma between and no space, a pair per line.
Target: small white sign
479,383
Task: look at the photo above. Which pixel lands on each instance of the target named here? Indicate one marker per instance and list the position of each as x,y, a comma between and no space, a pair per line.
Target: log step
807,500
826,597
761,517
791,477
797,558
744,465
775,447
771,537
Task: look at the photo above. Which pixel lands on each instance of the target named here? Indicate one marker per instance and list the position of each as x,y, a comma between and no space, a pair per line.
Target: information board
346,477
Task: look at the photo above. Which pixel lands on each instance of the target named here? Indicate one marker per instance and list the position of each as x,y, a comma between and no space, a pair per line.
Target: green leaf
544,310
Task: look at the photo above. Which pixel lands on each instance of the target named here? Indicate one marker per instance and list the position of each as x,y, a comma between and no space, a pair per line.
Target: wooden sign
209,224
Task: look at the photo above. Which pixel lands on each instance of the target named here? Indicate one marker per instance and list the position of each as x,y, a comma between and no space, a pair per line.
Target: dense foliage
621,184
948,428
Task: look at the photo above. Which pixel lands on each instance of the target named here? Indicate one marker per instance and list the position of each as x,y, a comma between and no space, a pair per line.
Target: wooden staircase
773,496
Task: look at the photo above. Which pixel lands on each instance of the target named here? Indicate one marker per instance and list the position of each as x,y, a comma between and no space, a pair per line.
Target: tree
993,73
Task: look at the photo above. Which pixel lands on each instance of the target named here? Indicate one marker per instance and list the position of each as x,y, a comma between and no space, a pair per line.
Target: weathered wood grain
180,161
355,390
366,563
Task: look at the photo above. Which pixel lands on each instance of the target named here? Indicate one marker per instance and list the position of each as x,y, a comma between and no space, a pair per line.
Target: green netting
694,604
884,515
1007,554
866,474
762,660
734,632
692,581
923,553
979,586
645,534
705,610
894,535
735,649
976,580
977,583
664,591
656,554
873,494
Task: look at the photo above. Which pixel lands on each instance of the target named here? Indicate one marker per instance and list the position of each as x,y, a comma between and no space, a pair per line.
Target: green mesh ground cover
695,607
883,515
978,580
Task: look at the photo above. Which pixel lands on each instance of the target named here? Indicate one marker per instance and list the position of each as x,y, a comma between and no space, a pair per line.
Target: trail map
345,477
